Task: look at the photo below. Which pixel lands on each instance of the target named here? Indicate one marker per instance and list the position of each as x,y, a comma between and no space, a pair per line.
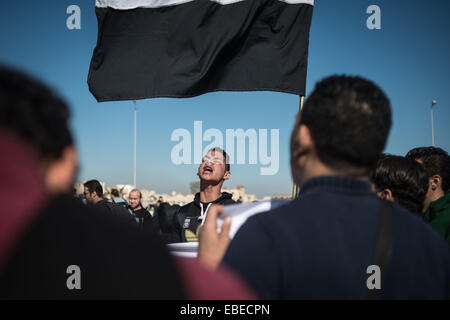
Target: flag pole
134,155
295,187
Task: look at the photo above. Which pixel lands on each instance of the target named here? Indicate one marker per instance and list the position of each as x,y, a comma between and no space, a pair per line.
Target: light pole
432,123
134,157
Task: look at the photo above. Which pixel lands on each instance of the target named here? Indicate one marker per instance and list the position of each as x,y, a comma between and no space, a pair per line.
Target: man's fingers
211,218
226,225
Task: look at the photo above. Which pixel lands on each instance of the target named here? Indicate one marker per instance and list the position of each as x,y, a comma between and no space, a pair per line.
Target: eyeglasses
212,160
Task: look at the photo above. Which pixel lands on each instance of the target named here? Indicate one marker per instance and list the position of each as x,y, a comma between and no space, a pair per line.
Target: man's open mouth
207,169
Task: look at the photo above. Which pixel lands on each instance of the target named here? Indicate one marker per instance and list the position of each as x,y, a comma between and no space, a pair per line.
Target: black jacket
116,260
189,217
144,219
320,246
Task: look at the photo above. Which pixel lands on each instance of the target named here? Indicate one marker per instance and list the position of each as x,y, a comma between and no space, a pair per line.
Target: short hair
349,119
94,185
406,179
140,193
435,161
34,113
115,193
226,157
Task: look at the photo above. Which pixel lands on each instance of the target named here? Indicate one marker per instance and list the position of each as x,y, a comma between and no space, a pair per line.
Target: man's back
319,247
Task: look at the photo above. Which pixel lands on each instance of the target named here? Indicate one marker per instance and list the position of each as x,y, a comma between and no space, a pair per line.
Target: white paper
239,214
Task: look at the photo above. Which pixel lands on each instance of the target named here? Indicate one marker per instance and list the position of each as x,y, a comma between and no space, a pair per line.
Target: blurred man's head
215,167
341,130
134,198
436,163
93,191
37,116
401,179
115,194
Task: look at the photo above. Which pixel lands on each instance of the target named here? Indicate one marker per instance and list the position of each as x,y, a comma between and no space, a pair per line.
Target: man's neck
210,193
316,169
138,207
97,200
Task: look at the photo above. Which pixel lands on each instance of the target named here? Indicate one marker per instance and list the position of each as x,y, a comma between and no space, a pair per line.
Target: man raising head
213,172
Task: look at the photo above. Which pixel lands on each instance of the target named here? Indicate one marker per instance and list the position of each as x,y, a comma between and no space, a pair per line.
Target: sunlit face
134,199
213,167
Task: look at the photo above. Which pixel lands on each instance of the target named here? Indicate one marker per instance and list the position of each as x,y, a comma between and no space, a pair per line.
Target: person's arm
252,253
212,244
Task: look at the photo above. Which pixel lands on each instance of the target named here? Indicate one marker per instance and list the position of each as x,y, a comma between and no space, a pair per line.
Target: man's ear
60,172
227,175
305,137
304,142
436,182
386,194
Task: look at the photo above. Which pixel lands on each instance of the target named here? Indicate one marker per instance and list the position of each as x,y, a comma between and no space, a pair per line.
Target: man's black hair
406,179
34,113
115,193
94,185
349,119
435,161
225,156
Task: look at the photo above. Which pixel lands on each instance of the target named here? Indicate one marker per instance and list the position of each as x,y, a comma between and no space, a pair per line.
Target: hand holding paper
213,243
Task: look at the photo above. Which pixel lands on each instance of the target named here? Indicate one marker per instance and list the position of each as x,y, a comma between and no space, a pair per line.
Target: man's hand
212,244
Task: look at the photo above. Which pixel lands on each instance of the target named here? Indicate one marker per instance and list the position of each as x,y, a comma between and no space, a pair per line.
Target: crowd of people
357,208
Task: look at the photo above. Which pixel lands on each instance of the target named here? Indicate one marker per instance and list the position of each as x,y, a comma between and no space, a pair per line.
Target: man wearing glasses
213,171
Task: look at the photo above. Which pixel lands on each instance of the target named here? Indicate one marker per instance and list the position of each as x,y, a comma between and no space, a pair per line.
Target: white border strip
133,4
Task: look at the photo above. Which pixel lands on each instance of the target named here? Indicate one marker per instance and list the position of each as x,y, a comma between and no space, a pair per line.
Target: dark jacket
438,216
189,217
143,219
320,246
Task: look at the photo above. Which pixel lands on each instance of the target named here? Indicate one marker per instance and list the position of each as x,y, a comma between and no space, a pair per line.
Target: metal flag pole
134,157
295,187
432,122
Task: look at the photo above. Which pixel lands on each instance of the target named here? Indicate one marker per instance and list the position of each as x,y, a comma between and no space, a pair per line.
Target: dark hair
349,119
225,156
115,193
94,185
34,113
406,179
435,161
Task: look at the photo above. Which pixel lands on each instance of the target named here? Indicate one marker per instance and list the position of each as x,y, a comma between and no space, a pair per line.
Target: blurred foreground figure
338,240
54,247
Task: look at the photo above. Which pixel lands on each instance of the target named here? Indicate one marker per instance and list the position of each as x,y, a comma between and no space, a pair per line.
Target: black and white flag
184,48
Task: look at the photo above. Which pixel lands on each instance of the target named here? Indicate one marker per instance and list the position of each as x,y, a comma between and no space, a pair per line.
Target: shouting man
213,171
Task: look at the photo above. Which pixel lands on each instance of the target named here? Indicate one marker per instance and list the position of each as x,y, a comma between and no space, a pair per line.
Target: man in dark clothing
117,199
338,240
142,216
436,163
93,192
396,178
213,171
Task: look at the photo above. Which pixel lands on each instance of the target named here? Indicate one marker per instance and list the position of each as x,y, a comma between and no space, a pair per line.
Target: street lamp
432,124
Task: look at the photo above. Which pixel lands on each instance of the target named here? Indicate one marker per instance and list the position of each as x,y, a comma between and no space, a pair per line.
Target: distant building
149,197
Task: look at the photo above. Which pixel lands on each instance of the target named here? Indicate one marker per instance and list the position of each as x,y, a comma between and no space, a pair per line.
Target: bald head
134,198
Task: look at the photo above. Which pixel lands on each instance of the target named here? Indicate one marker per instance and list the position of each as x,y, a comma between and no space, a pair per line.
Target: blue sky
409,58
